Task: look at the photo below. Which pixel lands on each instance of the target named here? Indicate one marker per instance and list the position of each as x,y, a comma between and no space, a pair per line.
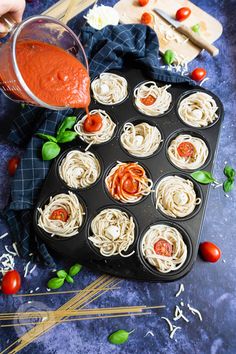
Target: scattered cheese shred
10,252
173,332
26,268
149,333
4,235
31,271
7,263
204,80
15,248
181,289
179,314
167,31
195,312
169,323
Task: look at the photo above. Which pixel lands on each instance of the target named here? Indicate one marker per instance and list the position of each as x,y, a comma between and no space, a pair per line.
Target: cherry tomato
183,13
143,2
186,149
209,252
163,248
13,164
146,18
198,74
130,186
59,214
11,282
93,123
148,101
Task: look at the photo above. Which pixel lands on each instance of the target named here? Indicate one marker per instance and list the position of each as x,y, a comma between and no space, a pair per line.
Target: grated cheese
26,268
10,252
149,332
31,271
181,289
179,314
204,80
168,32
173,332
169,323
15,248
100,16
4,235
195,312
7,263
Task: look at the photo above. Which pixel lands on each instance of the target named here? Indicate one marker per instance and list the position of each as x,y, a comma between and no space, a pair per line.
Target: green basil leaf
69,279
196,28
67,123
46,137
50,150
203,177
61,274
23,105
229,172
75,269
228,185
55,283
66,136
169,56
119,337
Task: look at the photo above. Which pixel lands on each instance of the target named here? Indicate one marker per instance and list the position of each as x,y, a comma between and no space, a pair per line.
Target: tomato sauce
53,75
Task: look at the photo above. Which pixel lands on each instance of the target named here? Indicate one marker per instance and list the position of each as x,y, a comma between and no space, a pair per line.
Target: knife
194,37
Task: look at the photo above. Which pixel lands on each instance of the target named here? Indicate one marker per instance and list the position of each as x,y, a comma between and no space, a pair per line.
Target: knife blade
195,38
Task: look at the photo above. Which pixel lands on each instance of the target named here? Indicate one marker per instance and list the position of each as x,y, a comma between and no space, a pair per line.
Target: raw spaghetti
151,99
176,197
198,110
128,182
140,140
112,231
195,160
79,169
68,202
101,136
174,240
109,88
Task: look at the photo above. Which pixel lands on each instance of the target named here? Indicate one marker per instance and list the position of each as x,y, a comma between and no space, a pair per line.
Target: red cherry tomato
163,248
143,2
130,186
186,149
183,13
13,164
198,74
148,101
11,282
146,18
59,214
93,123
209,252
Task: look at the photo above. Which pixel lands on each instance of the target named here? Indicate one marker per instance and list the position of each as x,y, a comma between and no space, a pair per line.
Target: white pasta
79,169
162,98
109,88
140,140
196,160
172,236
104,134
70,203
112,231
176,197
198,110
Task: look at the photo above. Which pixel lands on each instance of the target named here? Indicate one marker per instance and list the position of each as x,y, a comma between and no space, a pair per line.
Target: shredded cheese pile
100,16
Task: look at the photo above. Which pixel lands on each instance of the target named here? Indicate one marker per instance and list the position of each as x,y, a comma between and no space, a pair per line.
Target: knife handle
196,39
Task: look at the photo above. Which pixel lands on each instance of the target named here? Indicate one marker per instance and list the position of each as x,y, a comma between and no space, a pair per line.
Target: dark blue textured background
209,287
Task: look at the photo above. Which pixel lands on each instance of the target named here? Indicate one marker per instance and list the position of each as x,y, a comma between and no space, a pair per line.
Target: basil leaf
69,279
46,137
169,56
66,136
229,172
228,185
23,105
75,269
55,283
67,123
119,337
50,150
196,28
61,274
203,177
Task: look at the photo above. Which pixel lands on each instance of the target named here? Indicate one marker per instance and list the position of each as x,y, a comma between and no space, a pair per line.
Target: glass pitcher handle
8,23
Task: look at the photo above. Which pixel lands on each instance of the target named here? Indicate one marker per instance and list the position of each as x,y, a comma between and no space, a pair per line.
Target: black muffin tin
96,198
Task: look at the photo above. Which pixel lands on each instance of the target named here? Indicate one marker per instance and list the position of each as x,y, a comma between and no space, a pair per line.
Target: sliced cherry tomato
130,185
163,248
186,149
146,18
148,101
143,2
93,123
183,13
11,282
59,214
198,74
209,252
13,164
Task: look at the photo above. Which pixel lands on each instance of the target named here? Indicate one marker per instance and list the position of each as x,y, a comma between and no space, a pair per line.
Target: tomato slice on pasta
163,248
186,149
148,101
59,214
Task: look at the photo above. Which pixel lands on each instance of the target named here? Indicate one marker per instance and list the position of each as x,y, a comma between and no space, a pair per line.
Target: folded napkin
114,47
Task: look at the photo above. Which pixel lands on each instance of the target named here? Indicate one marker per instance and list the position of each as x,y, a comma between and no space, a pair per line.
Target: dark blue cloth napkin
114,47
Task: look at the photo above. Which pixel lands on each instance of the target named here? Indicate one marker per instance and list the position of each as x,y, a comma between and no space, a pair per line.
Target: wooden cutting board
210,28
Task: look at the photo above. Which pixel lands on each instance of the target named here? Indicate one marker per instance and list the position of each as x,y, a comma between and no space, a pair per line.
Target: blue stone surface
209,287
